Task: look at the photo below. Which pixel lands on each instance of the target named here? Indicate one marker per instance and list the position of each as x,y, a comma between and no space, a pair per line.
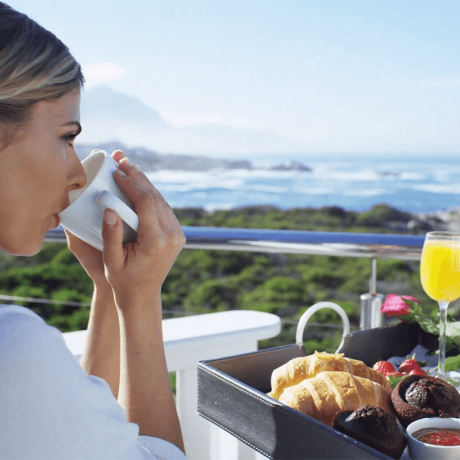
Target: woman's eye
70,138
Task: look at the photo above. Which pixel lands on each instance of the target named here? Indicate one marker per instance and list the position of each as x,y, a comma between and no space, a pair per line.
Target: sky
338,76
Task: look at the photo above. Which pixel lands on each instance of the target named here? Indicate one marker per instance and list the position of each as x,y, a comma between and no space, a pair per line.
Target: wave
412,176
368,192
419,186
439,188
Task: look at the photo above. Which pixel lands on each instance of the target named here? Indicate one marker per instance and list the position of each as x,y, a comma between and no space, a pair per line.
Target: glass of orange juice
440,276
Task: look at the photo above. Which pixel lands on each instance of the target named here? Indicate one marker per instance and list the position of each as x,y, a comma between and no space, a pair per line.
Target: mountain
108,115
108,105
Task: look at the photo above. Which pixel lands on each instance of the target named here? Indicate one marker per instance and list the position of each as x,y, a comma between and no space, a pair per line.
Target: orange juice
440,270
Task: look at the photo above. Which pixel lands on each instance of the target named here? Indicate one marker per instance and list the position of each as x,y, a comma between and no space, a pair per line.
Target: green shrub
76,321
381,214
213,295
279,295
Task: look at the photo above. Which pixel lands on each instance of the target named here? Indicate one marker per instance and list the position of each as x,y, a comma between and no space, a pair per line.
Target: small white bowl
421,450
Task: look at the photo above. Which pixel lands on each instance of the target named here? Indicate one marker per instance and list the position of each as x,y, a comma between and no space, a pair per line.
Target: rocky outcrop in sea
150,161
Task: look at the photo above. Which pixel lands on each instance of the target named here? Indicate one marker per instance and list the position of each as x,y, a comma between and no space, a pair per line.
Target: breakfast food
420,396
374,427
384,367
438,436
330,391
409,366
299,369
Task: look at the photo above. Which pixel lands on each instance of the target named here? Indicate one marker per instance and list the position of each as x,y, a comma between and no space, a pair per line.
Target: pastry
298,369
374,427
328,392
421,396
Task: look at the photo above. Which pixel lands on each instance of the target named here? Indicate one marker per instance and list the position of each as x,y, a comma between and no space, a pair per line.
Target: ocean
422,185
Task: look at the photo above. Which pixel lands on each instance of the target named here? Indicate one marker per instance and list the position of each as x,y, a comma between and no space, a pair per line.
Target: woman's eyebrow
74,123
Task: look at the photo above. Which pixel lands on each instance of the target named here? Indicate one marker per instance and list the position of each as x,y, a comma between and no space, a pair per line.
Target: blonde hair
34,66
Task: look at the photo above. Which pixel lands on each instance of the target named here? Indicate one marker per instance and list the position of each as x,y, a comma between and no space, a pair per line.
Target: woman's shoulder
6,310
24,333
17,320
15,313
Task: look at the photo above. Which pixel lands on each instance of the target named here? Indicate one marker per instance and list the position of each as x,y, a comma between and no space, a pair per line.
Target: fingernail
125,161
110,218
137,167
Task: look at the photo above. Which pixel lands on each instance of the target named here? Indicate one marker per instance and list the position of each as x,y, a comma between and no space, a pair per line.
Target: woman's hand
137,270
89,257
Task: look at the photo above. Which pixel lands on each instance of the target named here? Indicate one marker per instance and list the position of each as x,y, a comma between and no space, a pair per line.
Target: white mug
85,214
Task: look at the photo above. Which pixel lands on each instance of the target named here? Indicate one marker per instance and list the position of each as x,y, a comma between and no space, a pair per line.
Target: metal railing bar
169,312
44,301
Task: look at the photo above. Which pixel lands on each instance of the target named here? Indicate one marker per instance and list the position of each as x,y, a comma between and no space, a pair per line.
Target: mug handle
106,200
313,309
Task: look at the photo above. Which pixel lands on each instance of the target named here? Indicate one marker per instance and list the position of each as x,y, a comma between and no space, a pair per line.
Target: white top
50,408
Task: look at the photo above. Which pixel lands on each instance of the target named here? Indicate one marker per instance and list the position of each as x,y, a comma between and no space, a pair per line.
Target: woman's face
38,168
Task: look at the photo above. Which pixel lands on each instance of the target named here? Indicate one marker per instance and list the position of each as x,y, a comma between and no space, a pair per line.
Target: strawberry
418,371
408,365
384,367
395,374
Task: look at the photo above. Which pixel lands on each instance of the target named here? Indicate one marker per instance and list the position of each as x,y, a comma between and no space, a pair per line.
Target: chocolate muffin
421,396
374,427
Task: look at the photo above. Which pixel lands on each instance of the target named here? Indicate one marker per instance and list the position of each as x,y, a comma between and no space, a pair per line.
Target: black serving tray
232,394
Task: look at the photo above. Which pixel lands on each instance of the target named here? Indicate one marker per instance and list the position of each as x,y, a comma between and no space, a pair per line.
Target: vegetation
211,281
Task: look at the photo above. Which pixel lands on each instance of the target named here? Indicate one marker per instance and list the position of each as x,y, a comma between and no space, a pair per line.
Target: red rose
394,305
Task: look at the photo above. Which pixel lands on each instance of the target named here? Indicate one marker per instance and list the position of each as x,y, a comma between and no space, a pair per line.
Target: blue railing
369,245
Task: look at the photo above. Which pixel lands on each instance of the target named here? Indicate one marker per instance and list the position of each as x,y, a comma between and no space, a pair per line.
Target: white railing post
202,439
197,338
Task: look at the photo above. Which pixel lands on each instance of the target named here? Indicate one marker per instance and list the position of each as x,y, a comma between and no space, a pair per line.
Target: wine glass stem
442,336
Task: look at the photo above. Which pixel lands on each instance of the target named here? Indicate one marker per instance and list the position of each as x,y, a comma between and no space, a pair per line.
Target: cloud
181,119
102,73
435,83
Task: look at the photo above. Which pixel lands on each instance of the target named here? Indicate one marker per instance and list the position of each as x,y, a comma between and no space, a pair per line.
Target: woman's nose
77,178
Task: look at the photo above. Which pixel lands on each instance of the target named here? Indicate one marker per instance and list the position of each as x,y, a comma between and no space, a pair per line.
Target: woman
50,407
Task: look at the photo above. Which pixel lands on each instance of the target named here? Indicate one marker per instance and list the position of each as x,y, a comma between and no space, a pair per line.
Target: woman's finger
144,197
133,170
112,234
165,214
169,219
137,174
156,216
118,155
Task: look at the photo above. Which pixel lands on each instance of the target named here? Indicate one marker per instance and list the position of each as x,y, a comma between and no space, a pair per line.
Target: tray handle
313,309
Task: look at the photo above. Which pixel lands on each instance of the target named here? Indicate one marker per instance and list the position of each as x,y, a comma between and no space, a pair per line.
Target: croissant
322,396
298,369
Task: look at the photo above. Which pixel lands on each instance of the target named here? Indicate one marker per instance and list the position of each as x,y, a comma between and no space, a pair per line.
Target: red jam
438,436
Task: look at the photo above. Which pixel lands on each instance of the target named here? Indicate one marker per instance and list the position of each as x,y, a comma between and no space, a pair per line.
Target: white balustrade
195,338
